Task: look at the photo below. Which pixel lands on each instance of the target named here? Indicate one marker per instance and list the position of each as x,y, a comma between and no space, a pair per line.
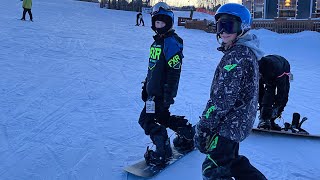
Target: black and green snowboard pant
224,162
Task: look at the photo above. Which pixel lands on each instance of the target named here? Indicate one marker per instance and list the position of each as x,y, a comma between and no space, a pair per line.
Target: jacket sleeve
261,91
267,100
173,56
283,86
225,90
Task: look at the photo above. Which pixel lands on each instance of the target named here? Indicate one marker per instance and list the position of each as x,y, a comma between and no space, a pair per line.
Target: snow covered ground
70,95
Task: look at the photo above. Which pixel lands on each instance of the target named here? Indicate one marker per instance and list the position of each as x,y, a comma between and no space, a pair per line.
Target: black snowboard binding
154,159
184,139
295,126
264,124
161,155
274,126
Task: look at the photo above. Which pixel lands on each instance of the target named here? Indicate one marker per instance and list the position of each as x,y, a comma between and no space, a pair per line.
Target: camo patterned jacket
232,107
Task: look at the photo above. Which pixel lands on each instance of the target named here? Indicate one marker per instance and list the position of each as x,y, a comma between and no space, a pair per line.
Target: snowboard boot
184,139
295,120
161,155
264,124
275,126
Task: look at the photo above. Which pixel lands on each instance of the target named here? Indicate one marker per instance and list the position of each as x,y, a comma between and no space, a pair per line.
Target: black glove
167,97
163,117
144,94
203,138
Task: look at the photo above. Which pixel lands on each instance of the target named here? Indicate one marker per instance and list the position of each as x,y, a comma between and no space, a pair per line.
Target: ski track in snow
70,95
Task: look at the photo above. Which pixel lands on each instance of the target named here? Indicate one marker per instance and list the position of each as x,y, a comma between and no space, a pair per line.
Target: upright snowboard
143,170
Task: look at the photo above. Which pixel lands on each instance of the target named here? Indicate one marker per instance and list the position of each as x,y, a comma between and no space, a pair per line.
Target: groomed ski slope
70,95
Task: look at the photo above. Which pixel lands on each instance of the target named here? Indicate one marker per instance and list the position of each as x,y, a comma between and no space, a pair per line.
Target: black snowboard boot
275,126
264,124
184,139
161,155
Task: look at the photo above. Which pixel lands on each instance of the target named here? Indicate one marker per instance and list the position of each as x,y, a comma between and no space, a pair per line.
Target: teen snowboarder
231,110
160,87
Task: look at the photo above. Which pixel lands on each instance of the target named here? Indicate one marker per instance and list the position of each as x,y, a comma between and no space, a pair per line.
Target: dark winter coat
274,85
164,66
232,107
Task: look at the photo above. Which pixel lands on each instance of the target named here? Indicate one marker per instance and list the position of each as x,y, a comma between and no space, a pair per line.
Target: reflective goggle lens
156,8
228,26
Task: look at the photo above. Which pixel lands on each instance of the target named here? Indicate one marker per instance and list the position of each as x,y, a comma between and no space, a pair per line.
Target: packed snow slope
70,95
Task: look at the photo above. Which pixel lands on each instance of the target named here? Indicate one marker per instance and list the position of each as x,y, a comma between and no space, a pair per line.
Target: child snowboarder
27,5
274,86
159,89
231,110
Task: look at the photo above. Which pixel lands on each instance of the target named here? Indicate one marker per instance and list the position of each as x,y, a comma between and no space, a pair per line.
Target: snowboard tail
141,168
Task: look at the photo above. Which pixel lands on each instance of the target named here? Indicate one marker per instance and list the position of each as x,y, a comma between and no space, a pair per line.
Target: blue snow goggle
156,8
228,26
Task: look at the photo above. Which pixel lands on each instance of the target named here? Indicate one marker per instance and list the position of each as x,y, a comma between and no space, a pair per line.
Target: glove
203,138
167,101
163,117
167,97
144,94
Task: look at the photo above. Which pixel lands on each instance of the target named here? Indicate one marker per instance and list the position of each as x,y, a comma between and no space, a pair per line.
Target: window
287,8
258,8
248,4
316,12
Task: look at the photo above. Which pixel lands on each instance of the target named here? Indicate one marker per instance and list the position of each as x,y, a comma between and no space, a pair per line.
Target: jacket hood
252,42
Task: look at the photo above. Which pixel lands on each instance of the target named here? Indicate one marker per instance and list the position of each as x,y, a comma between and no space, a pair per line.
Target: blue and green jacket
164,67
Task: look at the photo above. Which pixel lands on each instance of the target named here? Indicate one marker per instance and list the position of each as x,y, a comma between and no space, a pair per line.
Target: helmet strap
218,38
242,33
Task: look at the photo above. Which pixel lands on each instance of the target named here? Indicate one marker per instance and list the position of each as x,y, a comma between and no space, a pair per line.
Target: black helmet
162,12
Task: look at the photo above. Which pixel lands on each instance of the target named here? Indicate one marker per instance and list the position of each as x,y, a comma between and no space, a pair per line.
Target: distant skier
27,5
231,110
139,19
274,86
160,87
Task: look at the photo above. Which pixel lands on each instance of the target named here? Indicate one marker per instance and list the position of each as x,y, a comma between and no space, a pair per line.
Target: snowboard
285,133
141,168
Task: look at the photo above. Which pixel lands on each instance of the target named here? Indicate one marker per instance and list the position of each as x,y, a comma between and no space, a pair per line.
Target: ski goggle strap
228,26
156,8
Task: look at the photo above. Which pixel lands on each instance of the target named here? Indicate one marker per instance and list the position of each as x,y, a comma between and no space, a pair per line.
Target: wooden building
293,9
